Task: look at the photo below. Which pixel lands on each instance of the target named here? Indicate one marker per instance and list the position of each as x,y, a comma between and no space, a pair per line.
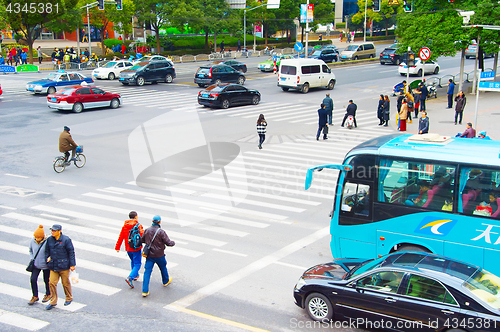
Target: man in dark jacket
460,101
60,257
424,92
329,108
322,124
67,144
351,110
469,132
157,239
423,123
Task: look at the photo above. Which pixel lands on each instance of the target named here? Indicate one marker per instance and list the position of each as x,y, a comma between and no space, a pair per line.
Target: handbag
31,264
147,247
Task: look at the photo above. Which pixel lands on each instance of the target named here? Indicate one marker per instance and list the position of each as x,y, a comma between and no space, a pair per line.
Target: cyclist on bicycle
67,144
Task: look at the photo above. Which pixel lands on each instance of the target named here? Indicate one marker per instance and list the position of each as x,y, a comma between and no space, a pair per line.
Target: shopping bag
74,277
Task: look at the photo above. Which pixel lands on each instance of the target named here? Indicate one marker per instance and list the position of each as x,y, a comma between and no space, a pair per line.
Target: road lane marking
17,176
292,265
230,252
63,184
21,321
251,268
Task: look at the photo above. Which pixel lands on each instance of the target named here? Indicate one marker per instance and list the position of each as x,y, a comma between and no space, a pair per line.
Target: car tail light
210,73
199,93
298,79
381,54
392,55
213,95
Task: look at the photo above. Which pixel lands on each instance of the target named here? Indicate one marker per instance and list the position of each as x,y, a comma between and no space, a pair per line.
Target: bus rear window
417,184
288,70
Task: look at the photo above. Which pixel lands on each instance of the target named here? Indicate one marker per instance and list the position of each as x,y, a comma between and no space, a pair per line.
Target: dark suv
327,55
216,74
389,55
154,72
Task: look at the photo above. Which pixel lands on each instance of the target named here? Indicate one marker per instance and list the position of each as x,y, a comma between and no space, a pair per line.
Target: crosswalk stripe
82,284
21,321
111,236
77,244
181,223
285,109
24,294
240,109
82,263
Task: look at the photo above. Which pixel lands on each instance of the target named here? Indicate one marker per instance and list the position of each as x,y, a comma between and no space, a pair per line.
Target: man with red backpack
131,233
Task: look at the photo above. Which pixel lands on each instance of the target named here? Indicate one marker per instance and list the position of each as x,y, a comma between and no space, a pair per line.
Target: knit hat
66,128
39,233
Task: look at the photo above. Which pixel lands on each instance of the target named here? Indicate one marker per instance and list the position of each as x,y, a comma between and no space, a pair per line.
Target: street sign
424,53
487,75
298,46
489,86
275,58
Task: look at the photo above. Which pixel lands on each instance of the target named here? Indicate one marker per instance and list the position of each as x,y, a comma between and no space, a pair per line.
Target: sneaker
136,278
386,125
50,306
325,138
73,159
33,300
145,294
46,298
169,281
66,303
129,282
317,138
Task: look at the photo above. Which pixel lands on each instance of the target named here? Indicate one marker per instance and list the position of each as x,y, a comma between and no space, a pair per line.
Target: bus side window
479,194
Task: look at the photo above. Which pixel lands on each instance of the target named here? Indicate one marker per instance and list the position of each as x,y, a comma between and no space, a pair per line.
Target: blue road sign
275,58
489,86
488,74
298,46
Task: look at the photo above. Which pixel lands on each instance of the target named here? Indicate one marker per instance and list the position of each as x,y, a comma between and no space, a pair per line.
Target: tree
388,13
27,18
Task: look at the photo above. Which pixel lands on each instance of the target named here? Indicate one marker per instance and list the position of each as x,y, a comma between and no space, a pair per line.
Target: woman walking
380,110
416,100
387,110
403,114
37,253
460,102
410,105
261,129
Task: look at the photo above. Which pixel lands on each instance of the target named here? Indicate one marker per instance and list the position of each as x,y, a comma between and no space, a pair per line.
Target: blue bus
421,193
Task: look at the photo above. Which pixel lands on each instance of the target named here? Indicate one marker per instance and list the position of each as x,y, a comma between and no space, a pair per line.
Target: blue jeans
148,268
135,263
330,117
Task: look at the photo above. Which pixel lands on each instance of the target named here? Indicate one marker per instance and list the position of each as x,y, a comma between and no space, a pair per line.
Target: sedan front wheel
319,307
255,100
225,103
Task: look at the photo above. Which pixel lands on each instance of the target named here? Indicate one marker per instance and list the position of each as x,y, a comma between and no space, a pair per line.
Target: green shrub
340,25
110,42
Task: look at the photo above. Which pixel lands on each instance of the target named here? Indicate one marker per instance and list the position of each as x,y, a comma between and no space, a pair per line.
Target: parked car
408,291
78,98
217,74
302,74
153,71
57,80
431,67
268,64
390,56
228,94
153,58
470,52
358,51
111,70
326,54
239,66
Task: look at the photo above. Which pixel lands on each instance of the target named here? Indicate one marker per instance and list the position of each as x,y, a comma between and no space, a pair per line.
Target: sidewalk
442,120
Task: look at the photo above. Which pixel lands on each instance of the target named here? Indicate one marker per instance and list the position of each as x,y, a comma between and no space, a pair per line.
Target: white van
302,74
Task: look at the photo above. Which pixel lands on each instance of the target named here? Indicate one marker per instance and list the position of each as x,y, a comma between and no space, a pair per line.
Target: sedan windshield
486,287
136,67
352,48
317,53
52,76
109,64
362,268
66,92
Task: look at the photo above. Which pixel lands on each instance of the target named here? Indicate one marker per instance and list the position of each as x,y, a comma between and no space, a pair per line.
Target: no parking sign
424,53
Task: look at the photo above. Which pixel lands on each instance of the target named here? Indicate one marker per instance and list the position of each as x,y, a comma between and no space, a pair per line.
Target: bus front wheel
410,247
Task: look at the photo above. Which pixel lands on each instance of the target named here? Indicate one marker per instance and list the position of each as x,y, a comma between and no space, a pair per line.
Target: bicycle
60,162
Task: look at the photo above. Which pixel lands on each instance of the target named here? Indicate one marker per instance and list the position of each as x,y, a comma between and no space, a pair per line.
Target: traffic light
411,59
119,4
407,6
376,5
100,4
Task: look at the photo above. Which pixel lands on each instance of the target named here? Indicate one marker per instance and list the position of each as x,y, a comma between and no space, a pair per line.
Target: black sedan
217,74
225,95
390,56
403,291
239,66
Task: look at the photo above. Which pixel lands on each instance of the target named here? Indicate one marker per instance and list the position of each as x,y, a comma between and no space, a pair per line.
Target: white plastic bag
74,277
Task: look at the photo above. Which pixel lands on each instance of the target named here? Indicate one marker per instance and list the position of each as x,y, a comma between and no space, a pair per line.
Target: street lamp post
366,8
90,5
245,27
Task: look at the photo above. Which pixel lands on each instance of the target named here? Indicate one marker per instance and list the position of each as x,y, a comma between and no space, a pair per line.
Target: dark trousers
40,60
458,114
34,281
262,138
450,100
422,104
330,117
325,131
345,118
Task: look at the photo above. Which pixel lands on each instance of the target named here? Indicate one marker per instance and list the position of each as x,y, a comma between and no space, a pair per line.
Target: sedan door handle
390,300
447,312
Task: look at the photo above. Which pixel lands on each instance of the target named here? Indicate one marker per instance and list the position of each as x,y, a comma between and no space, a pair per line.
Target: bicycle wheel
59,165
80,160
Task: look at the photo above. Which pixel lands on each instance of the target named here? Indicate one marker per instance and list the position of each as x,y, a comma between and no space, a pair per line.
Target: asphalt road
244,226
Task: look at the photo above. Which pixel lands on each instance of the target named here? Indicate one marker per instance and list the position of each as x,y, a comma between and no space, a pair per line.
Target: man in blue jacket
423,96
451,88
323,122
60,257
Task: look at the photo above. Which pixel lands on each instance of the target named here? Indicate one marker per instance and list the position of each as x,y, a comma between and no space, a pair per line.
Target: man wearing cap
60,257
157,239
469,132
67,144
483,135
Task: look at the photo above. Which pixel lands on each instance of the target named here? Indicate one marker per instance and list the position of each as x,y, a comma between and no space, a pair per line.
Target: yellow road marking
214,318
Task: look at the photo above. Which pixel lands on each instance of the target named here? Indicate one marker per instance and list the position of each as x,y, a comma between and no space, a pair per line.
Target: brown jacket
404,111
158,245
66,142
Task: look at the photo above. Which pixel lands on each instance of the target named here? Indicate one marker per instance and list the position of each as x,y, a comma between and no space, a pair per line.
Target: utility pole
87,6
364,33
